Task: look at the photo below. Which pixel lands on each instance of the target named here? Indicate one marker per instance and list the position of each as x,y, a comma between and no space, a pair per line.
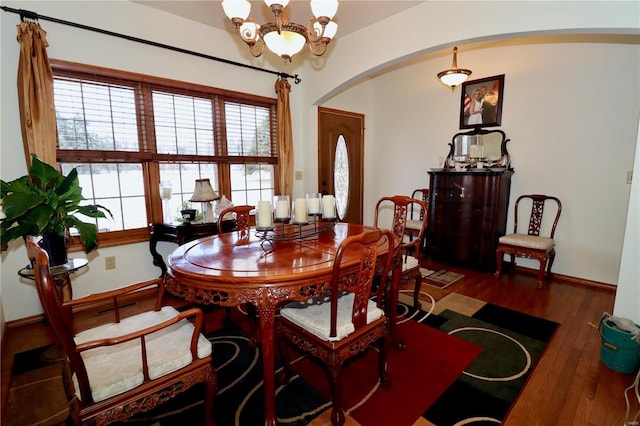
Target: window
126,132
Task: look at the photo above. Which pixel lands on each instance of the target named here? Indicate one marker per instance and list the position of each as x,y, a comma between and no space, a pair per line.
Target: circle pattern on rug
498,356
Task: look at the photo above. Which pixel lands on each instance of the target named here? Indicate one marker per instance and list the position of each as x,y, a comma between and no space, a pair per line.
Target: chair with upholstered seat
532,244
415,218
130,365
346,322
243,221
397,207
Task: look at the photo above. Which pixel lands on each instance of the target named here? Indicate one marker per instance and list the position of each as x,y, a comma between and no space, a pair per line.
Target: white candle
473,151
166,192
300,214
328,206
282,209
265,218
314,205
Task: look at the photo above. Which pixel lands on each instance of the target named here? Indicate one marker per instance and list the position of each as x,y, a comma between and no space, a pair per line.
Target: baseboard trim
35,319
570,279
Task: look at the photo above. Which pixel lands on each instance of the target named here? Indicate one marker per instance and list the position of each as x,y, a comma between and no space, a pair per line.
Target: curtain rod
26,14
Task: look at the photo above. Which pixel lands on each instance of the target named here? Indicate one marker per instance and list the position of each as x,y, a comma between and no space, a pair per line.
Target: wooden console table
180,233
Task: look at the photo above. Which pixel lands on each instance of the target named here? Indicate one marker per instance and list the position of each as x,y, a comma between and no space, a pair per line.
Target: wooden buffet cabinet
468,208
467,215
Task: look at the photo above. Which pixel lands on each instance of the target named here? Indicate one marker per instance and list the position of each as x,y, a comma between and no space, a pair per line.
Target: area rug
465,360
512,344
441,278
431,356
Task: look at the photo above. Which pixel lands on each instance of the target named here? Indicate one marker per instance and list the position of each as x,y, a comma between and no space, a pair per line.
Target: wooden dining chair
242,217
398,207
415,218
130,364
346,322
243,222
531,245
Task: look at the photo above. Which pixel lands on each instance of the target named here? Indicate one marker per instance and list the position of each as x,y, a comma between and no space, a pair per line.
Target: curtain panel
35,94
285,138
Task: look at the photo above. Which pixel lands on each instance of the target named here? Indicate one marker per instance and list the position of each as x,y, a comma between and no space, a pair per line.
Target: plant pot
188,214
56,248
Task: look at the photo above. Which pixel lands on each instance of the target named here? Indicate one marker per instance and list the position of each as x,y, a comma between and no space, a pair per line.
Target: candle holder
300,213
293,232
328,207
264,217
165,195
282,205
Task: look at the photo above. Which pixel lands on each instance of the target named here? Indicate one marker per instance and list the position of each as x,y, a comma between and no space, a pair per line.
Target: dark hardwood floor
570,386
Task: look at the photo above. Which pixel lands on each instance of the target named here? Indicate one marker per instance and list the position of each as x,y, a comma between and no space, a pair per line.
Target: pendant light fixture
454,76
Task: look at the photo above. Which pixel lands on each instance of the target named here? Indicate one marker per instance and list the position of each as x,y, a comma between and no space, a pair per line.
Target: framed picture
481,102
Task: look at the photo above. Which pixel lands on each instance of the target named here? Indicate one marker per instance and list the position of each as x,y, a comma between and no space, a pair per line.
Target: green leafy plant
45,201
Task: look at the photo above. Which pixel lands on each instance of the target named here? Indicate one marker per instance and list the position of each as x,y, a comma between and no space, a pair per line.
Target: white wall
574,139
386,101
628,295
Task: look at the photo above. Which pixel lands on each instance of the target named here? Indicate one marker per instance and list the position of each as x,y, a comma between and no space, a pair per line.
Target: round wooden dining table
265,269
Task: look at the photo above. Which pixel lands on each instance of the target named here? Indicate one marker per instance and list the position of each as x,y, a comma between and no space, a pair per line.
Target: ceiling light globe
455,77
330,29
326,8
249,31
282,3
236,9
285,44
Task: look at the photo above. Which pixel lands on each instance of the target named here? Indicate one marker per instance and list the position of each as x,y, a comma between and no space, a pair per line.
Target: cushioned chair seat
409,262
528,241
167,350
414,224
316,317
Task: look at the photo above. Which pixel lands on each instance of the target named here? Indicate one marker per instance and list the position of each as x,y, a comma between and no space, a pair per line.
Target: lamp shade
203,191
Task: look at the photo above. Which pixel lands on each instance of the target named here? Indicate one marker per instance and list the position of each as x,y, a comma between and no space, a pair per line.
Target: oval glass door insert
341,177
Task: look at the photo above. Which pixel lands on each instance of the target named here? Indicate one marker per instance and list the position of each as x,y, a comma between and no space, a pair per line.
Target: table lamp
205,194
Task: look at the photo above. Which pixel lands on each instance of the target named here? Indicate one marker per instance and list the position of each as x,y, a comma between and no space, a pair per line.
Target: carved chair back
242,216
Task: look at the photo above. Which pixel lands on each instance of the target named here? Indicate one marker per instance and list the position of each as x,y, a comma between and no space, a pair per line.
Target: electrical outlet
110,262
298,174
629,176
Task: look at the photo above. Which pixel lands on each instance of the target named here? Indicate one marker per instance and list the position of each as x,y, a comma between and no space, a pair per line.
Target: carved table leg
267,344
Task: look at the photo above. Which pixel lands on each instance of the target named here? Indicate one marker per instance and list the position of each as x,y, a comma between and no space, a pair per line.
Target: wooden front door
331,125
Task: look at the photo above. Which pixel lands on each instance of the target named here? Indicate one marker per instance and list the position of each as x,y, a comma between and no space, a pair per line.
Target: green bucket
618,351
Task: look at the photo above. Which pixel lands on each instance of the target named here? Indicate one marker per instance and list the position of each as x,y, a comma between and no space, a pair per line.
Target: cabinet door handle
461,188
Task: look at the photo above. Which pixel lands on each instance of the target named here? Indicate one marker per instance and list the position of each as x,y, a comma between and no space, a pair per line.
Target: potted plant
45,202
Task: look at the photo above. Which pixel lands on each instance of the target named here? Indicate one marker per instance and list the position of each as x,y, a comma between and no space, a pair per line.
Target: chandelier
454,76
282,37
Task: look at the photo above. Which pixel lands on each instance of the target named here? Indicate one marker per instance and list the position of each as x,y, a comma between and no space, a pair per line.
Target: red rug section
431,362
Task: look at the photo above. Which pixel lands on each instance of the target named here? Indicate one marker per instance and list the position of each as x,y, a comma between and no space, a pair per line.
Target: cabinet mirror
479,145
